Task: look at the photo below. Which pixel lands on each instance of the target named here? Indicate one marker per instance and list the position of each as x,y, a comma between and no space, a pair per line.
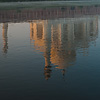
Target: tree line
33,0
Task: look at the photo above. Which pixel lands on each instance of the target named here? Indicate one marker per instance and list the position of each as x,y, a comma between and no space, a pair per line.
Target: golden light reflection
60,39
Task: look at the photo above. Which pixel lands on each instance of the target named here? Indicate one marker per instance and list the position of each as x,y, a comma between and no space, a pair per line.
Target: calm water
51,57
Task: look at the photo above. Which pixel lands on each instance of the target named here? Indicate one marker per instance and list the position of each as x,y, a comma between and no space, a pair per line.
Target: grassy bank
44,4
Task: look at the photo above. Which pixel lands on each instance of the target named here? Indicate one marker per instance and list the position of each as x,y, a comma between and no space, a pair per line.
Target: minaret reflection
60,39
85,33
41,33
5,38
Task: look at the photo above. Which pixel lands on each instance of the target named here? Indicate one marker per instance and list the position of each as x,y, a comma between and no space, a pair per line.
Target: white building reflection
59,39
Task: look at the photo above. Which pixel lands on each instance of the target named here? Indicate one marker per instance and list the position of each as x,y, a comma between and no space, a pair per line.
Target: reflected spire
47,72
63,72
5,38
38,32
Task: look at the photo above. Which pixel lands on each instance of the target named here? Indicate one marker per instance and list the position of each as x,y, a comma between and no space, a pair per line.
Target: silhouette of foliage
31,0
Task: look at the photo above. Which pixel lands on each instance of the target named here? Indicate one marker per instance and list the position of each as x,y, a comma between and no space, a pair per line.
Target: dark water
50,58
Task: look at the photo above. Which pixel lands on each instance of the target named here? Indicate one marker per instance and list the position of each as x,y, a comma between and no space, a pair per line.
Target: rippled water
49,58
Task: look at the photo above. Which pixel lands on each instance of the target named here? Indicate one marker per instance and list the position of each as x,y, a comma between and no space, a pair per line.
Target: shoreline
44,4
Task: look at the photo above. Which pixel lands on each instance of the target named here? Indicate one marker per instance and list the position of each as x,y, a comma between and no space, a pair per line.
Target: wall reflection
60,39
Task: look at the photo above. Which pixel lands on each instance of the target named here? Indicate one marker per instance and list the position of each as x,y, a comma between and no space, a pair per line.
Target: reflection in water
64,37
5,38
25,15
41,33
59,40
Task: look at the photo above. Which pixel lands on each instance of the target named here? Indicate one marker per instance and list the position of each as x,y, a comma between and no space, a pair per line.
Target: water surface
50,54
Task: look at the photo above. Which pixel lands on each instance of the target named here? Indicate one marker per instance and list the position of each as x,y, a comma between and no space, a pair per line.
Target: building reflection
60,39
5,38
41,33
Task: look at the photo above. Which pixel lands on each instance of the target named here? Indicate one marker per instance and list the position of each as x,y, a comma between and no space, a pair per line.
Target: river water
50,56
